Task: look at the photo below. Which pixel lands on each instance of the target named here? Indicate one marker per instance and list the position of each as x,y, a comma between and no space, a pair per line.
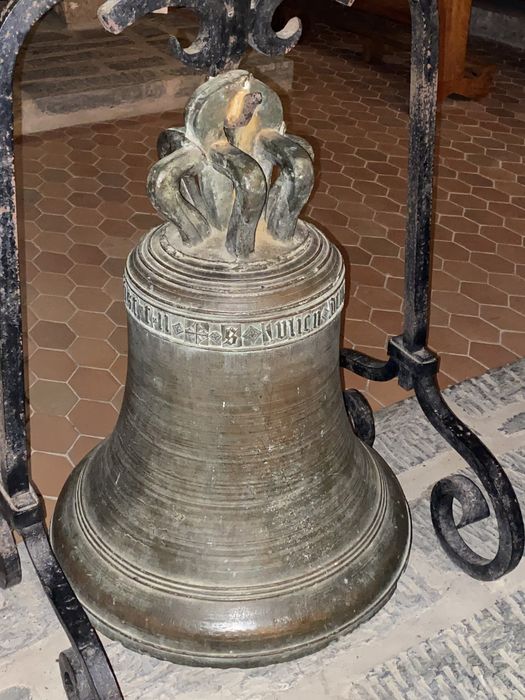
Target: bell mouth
248,627
234,658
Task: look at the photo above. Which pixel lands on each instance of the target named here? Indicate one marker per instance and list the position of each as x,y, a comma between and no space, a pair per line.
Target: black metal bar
424,58
473,502
361,415
227,29
411,363
419,366
90,677
411,360
367,366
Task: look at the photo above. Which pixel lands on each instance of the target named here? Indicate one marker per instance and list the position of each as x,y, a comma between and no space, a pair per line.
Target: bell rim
253,659
228,651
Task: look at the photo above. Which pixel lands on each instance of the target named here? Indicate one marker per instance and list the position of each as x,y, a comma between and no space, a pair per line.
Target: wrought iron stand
227,29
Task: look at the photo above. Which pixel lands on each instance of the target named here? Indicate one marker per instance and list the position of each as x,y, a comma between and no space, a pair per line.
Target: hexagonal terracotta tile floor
83,205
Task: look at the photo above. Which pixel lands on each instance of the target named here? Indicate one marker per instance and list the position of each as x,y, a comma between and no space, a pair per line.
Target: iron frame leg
410,360
85,669
227,29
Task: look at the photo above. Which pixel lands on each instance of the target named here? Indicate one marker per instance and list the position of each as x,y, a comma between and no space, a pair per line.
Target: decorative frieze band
233,336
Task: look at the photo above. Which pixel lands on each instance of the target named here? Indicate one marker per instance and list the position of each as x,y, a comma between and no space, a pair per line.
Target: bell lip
283,650
260,658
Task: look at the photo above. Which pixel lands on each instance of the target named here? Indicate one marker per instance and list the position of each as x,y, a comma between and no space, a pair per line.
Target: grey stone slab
91,57
425,542
160,42
477,658
493,390
135,63
15,693
172,69
514,424
515,461
75,48
86,85
95,32
103,98
405,438
149,31
25,612
33,75
47,36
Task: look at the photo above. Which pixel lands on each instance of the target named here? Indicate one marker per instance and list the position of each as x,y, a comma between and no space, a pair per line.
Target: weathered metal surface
85,662
232,518
228,28
222,27
423,90
410,360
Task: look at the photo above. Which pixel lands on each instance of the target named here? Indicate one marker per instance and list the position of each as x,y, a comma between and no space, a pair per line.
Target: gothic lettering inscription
232,336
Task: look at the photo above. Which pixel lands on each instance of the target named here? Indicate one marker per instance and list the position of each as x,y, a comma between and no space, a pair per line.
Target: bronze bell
232,518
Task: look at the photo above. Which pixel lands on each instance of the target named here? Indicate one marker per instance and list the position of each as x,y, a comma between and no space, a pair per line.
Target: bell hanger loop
219,171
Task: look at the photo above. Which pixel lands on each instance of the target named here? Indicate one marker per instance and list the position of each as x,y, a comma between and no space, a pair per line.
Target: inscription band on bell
233,335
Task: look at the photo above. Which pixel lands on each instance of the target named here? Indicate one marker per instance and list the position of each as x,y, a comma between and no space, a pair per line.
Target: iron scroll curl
227,30
410,359
473,502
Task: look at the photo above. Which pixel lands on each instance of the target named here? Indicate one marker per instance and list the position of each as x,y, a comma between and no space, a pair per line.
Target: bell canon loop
232,518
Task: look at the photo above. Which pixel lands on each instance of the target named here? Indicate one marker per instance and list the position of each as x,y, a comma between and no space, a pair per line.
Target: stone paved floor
66,77
83,205
442,635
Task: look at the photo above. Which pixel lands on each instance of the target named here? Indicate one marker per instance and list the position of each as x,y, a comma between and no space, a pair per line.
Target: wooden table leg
454,75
